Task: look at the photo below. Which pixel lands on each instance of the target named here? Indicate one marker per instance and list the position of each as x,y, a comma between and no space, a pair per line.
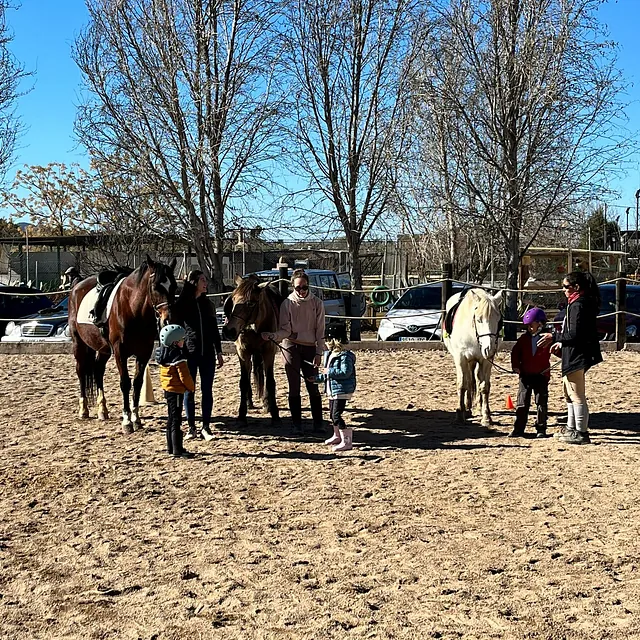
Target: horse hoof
103,415
83,415
251,406
127,428
137,426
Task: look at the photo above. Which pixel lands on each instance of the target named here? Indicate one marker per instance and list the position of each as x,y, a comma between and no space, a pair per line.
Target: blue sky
45,30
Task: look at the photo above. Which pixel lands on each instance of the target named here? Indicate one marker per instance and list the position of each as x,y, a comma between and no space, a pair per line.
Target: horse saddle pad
451,314
89,302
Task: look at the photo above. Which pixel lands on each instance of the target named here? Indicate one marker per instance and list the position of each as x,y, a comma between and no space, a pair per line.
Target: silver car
416,314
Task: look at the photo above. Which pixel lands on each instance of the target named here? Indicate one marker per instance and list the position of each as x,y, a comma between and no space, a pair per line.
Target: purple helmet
535,314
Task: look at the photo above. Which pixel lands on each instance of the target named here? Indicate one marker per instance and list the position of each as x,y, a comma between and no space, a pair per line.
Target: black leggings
174,420
295,356
336,407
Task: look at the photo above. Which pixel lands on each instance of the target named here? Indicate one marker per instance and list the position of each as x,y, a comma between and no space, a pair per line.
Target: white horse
473,342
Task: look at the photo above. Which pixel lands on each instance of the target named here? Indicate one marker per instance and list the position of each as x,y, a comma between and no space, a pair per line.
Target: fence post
447,288
621,307
283,285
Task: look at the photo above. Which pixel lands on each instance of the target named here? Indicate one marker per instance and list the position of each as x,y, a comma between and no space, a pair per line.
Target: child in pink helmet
532,363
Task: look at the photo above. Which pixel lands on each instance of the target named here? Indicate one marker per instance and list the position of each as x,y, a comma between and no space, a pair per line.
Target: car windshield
427,297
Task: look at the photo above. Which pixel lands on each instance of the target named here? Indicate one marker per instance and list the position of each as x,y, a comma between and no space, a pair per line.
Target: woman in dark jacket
204,348
579,346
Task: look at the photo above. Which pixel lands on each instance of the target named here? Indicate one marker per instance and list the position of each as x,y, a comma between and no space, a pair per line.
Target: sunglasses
567,286
303,288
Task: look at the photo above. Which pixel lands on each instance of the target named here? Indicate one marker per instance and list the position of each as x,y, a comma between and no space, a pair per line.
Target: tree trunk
355,273
511,307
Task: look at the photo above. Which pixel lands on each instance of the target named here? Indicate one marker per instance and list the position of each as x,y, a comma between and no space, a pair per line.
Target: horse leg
100,366
84,369
125,388
245,390
462,374
138,379
483,373
270,386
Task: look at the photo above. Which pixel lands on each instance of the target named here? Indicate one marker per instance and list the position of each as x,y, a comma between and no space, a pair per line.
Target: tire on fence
380,296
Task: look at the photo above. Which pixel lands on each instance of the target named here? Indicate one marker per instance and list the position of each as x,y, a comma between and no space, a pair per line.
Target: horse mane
485,304
245,289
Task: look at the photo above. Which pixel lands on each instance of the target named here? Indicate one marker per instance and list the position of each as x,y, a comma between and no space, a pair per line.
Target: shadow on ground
385,428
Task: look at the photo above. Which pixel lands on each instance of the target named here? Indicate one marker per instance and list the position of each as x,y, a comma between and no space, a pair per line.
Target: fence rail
447,281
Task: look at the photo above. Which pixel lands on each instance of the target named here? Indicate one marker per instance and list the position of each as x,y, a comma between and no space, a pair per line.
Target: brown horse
252,308
140,303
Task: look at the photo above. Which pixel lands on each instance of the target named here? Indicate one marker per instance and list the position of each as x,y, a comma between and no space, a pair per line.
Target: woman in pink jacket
302,333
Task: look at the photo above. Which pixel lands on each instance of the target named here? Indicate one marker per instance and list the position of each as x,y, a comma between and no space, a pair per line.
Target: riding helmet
535,314
336,331
171,333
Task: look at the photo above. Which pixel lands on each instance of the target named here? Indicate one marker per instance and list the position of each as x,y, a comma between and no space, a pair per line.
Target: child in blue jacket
339,376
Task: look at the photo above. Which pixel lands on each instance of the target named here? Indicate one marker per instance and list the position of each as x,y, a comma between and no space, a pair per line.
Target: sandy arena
426,529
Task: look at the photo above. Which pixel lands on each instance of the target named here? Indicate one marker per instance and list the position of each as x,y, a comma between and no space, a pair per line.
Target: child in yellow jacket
175,380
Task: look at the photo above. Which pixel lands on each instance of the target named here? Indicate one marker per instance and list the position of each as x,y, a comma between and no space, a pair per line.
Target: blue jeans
206,365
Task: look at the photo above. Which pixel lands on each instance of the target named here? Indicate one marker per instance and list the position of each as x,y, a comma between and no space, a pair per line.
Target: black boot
541,431
295,407
178,449
316,414
169,440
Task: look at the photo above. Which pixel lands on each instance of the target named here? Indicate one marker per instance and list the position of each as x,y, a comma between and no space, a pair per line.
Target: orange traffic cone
509,403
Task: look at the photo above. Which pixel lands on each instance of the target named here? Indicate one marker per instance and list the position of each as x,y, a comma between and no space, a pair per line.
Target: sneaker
541,432
563,432
575,437
192,434
516,434
206,433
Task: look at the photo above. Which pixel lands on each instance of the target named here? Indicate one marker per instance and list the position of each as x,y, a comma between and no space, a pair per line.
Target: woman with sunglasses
302,332
578,344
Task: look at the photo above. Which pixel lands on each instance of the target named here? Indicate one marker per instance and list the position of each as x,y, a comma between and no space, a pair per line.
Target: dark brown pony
142,301
252,308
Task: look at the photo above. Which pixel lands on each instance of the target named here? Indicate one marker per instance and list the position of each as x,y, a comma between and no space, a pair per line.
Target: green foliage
596,226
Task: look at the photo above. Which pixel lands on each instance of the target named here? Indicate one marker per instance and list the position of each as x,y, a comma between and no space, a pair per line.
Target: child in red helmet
532,363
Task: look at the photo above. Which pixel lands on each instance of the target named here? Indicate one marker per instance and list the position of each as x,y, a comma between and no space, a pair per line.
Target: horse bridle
486,335
246,321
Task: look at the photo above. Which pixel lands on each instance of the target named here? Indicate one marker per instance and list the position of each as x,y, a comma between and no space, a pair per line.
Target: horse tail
258,373
89,374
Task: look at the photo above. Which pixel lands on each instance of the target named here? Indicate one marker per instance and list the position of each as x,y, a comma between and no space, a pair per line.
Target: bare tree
118,207
183,88
11,73
533,93
348,62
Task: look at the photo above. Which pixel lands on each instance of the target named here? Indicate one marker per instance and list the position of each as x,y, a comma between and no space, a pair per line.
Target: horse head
487,319
162,288
243,307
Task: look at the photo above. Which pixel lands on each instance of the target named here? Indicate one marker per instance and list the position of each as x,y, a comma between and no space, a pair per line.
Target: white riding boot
335,438
346,443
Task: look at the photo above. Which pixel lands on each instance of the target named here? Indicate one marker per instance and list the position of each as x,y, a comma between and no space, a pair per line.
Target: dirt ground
426,529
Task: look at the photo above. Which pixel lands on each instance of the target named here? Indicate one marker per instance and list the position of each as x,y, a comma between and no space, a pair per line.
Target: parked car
607,326
47,325
416,314
334,303
18,302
